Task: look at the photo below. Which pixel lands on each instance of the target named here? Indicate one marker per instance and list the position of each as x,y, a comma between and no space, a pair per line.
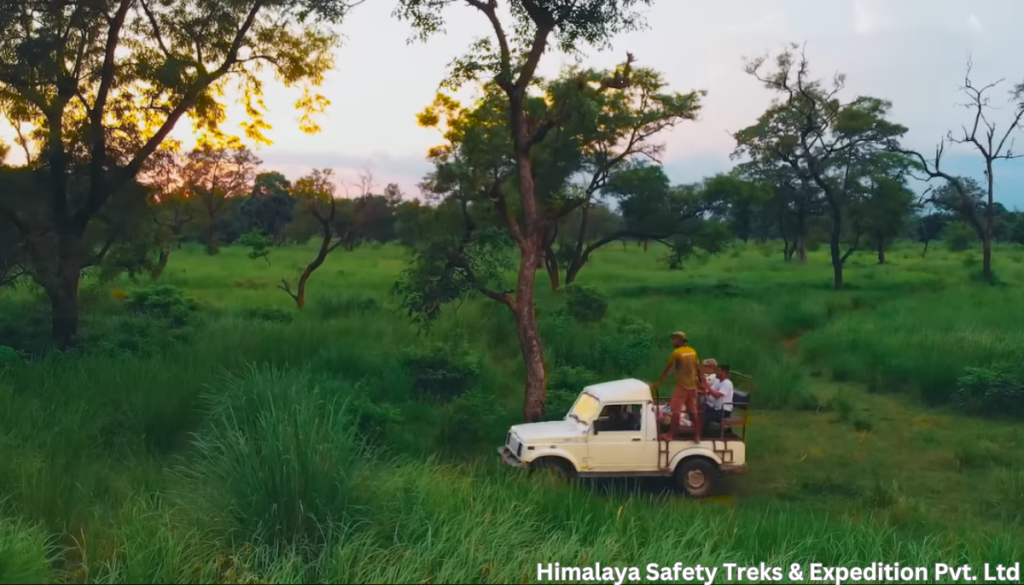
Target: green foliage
280,459
164,303
9,357
441,371
585,304
959,236
26,553
258,244
447,269
992,391
633,344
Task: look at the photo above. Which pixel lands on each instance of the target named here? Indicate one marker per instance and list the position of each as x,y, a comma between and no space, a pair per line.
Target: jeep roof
629,390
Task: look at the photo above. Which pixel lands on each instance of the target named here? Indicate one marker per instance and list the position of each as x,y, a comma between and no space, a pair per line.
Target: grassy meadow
222,436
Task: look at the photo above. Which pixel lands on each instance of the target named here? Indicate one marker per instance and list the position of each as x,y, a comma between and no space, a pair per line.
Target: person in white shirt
710,367
722,394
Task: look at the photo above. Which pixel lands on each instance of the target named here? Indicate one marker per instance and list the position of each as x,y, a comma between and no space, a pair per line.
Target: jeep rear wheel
697,477
554,467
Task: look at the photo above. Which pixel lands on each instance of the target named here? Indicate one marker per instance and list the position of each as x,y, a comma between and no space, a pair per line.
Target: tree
884,202
102,83
213,176
993,145
825,141
269,207
653,210
607,128
793,202
511,60
171,207
316,193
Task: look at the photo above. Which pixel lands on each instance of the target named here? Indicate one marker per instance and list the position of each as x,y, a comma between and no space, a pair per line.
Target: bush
585,304
258,244
633,344
163,302
959,236
9,357
992,391
441,371
474,418
281,459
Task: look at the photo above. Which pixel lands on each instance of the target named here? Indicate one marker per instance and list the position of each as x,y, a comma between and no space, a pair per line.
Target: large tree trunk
529,336
990,228
165,254
63,292
881,250
834,240
211,241
551,264
925,251
801,250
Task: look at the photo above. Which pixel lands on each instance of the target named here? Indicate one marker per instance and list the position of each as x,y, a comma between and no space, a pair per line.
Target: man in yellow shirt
688,383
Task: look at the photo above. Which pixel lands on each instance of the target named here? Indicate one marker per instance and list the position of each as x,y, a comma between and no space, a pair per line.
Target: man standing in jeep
688,384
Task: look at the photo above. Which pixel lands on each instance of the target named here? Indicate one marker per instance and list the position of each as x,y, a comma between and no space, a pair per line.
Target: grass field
241,441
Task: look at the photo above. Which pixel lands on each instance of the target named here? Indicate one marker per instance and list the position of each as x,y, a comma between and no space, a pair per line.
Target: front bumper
509,458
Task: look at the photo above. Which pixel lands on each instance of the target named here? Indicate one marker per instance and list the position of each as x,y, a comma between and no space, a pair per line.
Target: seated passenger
722,394
710,367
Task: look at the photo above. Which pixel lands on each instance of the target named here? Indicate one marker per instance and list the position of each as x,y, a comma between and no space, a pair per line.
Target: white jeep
613,430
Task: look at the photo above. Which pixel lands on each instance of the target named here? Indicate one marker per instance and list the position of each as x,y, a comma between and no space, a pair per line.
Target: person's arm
668,367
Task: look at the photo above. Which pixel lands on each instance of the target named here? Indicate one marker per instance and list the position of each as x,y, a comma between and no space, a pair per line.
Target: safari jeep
613,429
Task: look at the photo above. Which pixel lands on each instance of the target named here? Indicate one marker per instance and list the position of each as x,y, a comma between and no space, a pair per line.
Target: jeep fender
549,452
702,452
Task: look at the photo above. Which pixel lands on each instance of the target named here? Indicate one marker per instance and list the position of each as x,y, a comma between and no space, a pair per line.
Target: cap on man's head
678,335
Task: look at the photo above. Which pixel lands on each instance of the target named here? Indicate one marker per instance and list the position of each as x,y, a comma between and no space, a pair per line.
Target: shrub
9,357
585,304
474,418
281,458
633,344
992,391
442,371
959,236
163,302
258,244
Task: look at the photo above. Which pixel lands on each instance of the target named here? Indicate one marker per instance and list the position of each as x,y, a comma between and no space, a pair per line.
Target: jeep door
616,441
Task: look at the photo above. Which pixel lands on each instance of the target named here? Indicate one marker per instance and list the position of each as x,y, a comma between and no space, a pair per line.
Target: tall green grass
265,445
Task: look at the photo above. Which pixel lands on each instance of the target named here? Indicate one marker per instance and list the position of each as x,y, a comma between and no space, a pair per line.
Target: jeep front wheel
554,467
697,477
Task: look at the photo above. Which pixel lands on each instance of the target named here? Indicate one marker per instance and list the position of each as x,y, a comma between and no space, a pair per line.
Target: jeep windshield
585,409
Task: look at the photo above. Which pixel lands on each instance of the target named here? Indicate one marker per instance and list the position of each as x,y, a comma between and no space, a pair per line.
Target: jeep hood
545,431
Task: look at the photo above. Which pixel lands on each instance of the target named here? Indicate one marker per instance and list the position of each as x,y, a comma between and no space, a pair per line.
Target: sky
912,52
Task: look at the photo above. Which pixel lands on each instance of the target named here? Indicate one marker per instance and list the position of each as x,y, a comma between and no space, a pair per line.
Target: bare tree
992,144
317,192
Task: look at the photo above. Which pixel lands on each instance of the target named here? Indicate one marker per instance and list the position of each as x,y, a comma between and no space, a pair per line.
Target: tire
554,466
697,477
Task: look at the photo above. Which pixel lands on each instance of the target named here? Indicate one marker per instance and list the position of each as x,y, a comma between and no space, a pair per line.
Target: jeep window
620,418
585,409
